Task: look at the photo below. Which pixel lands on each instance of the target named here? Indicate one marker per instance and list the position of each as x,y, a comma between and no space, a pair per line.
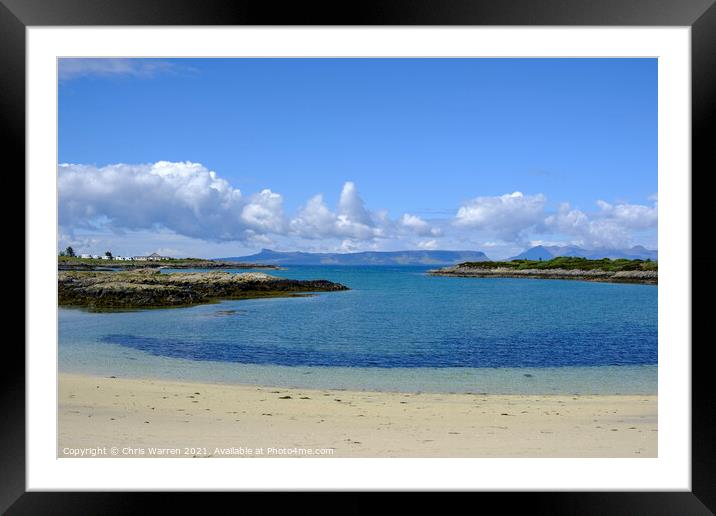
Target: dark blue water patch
544,350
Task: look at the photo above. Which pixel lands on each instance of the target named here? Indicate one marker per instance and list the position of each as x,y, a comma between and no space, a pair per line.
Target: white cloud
183,197
190,200
632,216
590,233
72,68
513,217
415,224
348,246
265,212
612,226
77,242
507,216
546,243
428,244
351,207
116,203
352,220
315,220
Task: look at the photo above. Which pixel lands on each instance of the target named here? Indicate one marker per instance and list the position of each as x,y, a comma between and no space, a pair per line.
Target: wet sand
122,417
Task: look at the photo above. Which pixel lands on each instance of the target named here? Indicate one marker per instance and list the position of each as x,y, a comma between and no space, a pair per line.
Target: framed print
444,248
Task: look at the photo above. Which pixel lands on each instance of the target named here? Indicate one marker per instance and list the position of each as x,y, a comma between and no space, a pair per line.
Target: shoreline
216,419
149,288
634,380
630,277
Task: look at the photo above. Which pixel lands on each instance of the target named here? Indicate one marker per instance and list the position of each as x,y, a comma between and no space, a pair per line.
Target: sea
396,329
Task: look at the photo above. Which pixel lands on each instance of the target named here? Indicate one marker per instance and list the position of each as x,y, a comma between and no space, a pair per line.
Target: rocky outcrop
639,276
148,288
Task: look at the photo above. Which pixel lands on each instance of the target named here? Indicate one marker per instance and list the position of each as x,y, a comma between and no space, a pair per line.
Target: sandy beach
105,416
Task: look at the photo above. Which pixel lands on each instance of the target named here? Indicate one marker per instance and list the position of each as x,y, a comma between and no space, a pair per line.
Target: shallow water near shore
397,329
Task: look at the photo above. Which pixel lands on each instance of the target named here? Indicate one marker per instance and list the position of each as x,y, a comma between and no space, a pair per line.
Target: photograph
374,257
406,247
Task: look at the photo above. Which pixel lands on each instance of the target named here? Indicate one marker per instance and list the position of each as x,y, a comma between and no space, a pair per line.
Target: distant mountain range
269,257
542,252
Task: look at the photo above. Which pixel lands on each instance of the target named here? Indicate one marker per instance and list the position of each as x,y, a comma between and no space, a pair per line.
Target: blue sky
407,153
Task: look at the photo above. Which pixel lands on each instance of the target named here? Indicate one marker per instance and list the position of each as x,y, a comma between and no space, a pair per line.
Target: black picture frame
700,15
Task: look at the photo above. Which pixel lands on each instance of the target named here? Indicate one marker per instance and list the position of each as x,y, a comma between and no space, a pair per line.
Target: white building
154,257
85,256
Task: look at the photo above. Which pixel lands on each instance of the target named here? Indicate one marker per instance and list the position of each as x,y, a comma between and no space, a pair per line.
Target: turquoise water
397,329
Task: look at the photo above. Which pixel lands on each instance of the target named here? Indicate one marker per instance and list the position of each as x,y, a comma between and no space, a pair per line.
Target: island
73,263
150,288
563,267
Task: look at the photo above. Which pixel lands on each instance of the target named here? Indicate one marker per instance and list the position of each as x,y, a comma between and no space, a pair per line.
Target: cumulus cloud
514,217
264,211
612,226
632,216
353,221
507,216
415,224
351,207
314,218
186,198
190,200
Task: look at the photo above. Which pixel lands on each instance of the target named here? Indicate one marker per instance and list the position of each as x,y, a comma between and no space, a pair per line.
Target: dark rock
147,288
